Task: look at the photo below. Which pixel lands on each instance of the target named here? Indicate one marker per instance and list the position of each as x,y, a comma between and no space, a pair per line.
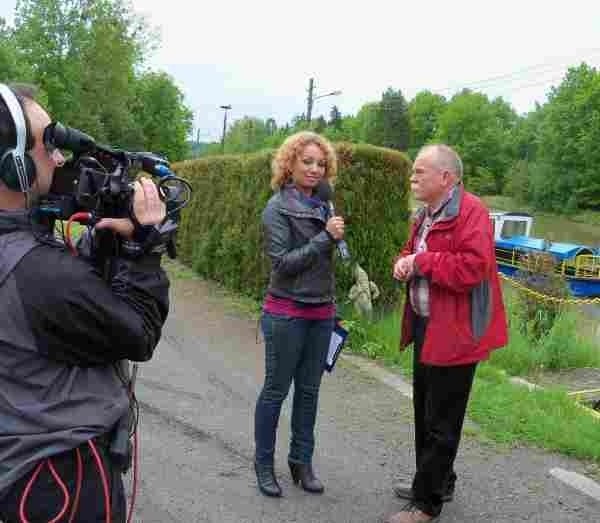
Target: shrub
221,236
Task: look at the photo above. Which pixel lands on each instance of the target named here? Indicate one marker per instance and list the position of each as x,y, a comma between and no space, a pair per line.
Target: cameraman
63,329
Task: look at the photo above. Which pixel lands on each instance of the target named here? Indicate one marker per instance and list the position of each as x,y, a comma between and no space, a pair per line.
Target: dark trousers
440,397
295,350
46,499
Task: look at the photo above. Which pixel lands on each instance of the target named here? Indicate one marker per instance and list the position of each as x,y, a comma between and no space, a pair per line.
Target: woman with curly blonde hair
299,310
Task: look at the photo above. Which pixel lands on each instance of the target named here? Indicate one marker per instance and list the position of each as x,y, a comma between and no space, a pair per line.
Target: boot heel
294,471
303,475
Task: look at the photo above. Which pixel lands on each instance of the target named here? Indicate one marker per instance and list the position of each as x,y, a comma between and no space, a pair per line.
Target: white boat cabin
509,224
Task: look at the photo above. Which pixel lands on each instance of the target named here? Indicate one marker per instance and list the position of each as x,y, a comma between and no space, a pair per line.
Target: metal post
311,86
226,108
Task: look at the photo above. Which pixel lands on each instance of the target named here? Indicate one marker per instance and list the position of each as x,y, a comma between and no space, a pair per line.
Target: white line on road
578,481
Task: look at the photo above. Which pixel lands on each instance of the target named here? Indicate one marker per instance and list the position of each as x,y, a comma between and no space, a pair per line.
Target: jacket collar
291,203
449,209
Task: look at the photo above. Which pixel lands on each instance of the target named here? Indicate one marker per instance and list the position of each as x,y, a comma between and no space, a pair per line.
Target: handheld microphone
325,193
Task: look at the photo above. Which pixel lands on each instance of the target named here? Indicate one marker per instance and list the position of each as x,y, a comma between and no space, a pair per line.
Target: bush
221,236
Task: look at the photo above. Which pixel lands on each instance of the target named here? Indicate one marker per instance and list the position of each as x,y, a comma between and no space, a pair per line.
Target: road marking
392,380
578,481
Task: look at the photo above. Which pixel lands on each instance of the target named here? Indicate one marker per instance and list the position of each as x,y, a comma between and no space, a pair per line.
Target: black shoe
405,491
267,482
304,475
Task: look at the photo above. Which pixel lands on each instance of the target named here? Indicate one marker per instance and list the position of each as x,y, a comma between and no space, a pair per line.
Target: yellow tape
545,297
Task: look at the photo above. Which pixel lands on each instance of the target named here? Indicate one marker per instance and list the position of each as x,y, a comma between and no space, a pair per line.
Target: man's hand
148,209
404,268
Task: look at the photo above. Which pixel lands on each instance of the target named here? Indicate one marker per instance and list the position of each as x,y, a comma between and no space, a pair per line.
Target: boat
578,265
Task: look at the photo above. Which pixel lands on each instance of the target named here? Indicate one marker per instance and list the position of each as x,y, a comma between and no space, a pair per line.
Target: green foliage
395,120
424,111
568,140
369,124
481,130
246,135
13,67
221,236
536,317
335,118
86,56
561,346
162,115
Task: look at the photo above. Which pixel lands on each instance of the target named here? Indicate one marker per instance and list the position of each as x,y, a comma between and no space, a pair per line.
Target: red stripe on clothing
289,307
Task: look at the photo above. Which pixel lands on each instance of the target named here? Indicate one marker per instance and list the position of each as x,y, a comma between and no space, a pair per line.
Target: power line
549,67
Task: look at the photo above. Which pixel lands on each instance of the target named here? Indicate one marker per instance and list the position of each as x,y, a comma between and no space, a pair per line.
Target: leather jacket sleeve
278,244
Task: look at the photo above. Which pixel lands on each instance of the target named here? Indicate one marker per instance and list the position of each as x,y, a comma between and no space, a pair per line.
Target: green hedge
220,233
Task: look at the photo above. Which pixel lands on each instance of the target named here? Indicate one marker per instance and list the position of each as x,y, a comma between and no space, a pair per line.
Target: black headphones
17,169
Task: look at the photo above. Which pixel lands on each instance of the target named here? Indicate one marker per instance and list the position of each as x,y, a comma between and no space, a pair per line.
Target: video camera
98,180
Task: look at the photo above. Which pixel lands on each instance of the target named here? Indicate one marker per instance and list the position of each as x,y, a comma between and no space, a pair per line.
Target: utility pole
309,106
311,98
225,108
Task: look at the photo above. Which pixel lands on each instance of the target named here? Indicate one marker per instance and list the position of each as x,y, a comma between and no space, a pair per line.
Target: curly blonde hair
285,157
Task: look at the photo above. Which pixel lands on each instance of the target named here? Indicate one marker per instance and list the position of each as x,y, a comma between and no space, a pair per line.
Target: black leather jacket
300,249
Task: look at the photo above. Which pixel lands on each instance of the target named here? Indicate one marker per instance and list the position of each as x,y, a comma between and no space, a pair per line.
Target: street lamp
312,98
225,108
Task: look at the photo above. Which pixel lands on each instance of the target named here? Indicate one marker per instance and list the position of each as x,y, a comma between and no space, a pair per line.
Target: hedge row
220,234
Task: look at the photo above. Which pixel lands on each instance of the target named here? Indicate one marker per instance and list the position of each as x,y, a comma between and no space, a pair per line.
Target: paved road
197,402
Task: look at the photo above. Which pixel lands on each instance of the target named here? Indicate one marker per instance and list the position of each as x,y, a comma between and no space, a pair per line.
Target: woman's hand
335,227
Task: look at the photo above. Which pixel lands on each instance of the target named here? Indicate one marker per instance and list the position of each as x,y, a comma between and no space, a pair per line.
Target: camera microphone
325,193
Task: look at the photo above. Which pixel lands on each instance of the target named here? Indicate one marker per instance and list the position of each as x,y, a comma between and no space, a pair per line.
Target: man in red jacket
454,316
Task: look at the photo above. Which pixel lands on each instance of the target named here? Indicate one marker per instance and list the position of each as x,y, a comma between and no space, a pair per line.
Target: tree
424,112
335,118
369,124
568,141
319,124
271,125
246,135
482,133
85,54
395,120
13,66
164,118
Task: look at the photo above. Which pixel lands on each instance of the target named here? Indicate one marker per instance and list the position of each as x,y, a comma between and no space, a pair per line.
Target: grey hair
445,157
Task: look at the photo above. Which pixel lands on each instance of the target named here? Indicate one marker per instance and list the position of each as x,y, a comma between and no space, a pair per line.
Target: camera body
98,180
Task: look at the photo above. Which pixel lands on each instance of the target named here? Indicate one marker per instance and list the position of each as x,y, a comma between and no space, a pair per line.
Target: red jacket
467,318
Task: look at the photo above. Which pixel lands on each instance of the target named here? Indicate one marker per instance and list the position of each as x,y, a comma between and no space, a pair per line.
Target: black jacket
62,328
300,249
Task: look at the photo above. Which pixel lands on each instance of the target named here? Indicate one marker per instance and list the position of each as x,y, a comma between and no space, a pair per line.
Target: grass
562,347
505,412
546,418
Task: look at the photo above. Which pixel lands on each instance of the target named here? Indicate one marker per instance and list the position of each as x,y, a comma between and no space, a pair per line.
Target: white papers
336,342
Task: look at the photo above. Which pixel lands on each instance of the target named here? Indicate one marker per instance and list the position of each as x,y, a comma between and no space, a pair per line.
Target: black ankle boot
304,475
267,482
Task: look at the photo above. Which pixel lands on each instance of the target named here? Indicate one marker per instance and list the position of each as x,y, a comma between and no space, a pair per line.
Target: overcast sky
258,55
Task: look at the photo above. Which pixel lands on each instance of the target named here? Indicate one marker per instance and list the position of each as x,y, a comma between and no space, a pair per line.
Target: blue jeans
295,349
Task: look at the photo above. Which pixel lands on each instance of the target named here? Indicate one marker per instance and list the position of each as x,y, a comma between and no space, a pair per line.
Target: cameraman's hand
148,209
